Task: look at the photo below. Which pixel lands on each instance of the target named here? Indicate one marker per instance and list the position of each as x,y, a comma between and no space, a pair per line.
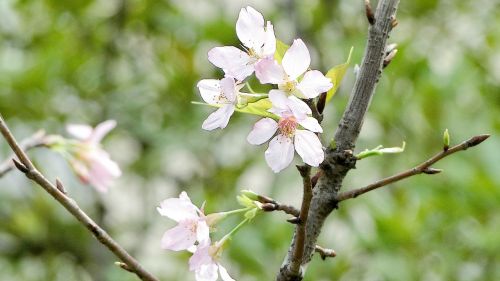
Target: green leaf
380,150
337,73
280,50
259,108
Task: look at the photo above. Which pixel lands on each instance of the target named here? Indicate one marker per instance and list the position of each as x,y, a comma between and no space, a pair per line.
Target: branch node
123,266
60,186
369,12
394,22
20,166
294,220
477,140
431,171
325,253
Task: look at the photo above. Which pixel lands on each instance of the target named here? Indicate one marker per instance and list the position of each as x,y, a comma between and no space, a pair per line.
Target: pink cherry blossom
258,40
89,161
191,224
222,92
295,62
292,112
205,263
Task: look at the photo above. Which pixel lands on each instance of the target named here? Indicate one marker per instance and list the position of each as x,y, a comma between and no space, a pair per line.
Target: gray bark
339,160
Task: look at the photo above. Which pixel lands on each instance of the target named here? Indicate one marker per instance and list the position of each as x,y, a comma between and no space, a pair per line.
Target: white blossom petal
299,108
269,47
202,231
228,87
80,131
268,71
210,90
223,274
101,130
311,124
232,60
313,84
178,209
179,238
250,28
279,99
296,59
102,170
280,153
219,118
207,272
262,131
309,147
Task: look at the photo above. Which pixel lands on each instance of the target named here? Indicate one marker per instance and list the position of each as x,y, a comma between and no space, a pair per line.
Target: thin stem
237,211
27,167
300,230
421,168
38,139
233,231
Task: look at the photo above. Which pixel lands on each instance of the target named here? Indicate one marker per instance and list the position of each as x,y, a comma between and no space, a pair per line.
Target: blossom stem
233,231
237,211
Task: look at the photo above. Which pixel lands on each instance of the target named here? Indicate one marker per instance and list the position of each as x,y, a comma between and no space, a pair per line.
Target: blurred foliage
138,62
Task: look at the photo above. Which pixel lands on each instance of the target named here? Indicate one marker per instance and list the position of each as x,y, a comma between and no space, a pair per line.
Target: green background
138,62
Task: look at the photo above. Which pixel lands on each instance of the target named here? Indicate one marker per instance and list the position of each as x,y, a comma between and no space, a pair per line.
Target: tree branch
27,167
422,168
38,139
339,159
300,229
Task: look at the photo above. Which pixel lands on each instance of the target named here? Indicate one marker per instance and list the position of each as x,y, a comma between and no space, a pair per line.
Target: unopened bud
250,194
446,140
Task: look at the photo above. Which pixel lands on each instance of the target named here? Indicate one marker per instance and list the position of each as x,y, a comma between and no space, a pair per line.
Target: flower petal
232,60
202,232
279,99
200,257
269,47
268,71
299,108
102,130
280,153
219,118
250,28
180,237
262,131
178,209
309,147
228,86
80,131
207,272
102,170
296,59
313,84
311,124
223,273
210,90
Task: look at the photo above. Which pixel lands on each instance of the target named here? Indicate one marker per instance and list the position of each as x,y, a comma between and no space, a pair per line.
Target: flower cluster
287,117
89,161
192,233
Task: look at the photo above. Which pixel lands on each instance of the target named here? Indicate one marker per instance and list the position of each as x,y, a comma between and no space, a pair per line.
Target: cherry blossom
222,92
295,62
191,224
89,161
258,41
205,262
292,112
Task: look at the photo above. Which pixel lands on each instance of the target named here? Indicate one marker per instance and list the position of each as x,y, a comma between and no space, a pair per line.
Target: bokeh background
138,62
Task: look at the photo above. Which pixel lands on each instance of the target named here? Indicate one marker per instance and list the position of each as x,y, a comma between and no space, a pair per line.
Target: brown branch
325,253
36,140
424,167
300,229
27,167
338,160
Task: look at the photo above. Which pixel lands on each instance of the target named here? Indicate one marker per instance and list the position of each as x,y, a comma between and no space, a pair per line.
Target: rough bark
339,159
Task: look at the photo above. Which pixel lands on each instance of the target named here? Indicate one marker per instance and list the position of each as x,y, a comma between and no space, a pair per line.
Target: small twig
370,16
300,230
325,253
27,167
315,113
422,168
38,139
276,206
